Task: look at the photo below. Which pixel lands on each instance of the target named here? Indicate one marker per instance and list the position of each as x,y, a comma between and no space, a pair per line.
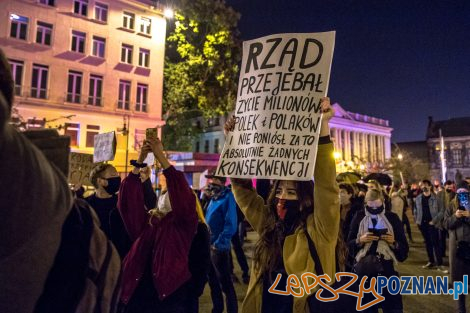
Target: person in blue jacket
221,216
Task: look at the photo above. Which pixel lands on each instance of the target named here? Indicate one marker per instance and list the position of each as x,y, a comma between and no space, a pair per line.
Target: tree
412,168
201,68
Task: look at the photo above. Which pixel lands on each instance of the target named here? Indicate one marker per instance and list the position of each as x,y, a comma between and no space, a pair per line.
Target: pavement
411,267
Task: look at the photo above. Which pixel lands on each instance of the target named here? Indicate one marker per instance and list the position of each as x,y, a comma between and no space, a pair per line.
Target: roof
454,127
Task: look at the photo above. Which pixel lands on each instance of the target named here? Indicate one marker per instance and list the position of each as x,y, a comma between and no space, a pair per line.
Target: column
347,146
387,147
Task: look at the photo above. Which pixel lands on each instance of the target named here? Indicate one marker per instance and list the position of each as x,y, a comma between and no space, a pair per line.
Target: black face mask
425,189
215,189
448,190
289,212
113,185
375,211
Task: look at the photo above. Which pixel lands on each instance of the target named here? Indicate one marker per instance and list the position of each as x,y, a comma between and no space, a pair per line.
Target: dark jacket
400,249
459,230
166,242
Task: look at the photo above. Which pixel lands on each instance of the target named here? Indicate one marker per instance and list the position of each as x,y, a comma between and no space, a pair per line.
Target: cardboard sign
105,147
81,165
278,114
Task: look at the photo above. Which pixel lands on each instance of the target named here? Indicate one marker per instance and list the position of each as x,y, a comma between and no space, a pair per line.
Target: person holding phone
377,240
457,221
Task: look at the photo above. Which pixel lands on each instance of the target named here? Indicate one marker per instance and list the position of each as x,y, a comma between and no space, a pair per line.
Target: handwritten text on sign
278,115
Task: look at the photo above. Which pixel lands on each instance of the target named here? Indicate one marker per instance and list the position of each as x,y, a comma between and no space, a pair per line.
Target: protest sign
282,80
81,165
105,147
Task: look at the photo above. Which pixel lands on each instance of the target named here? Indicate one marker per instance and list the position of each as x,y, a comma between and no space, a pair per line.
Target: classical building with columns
359,140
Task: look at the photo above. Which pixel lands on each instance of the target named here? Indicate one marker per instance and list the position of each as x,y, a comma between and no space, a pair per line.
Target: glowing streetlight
362,167
169,13
400,156
337,155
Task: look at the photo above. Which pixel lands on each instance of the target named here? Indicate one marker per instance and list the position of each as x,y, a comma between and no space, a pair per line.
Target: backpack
85,274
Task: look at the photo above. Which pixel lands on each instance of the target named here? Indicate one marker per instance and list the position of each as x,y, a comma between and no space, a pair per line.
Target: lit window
98,46
144,57
95,90
91,131
124,94
142,93
73,131
101,12
128,20
74,87
457,156
39,81
145,25
19,26
80,7
126,54
48,2
78,41
17,72
44,33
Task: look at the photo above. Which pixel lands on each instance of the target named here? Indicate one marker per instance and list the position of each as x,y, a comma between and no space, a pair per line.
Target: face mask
164,204
375,210
113,185
214,188
287,210
425,189
448,190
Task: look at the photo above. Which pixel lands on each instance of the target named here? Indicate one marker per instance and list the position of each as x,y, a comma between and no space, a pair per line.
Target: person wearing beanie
457,221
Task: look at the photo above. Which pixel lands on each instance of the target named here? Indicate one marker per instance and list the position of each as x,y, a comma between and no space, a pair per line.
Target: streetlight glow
400,156
337,155
168,13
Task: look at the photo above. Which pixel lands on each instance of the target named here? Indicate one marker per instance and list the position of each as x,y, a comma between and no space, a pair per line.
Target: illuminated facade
87,65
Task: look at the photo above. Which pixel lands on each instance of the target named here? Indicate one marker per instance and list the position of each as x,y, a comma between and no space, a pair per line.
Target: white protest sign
105,147
81,165
282,80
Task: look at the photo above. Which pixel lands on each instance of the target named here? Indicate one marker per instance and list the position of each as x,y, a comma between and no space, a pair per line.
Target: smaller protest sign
81,165
105,147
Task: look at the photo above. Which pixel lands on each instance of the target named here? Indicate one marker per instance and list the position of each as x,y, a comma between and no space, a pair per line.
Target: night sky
398,60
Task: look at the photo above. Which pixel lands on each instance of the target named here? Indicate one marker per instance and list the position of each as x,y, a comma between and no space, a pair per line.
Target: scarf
382,247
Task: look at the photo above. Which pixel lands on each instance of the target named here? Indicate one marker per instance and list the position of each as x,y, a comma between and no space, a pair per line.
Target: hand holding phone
151,133
463,200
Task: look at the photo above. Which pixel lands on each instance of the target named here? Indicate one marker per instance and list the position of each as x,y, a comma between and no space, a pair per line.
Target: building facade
361,142
87,66
456,137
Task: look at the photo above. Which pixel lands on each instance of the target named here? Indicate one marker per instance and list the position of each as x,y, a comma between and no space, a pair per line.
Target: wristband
138,165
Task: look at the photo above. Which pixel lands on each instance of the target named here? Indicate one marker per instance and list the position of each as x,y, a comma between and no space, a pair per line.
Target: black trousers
431,239
220,280
443,234
240,254
406,223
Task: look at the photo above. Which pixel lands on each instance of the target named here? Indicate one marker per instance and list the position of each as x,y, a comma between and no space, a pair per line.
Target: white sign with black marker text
278,116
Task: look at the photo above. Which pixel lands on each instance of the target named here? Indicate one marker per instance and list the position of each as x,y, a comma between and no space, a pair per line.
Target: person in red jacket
156,268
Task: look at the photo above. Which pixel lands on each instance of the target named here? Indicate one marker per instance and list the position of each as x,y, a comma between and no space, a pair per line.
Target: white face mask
164,204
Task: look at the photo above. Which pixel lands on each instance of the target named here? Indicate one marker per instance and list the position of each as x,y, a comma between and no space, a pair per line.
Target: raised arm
326,191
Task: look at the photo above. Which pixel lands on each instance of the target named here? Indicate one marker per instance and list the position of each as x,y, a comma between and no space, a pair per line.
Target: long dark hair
268,250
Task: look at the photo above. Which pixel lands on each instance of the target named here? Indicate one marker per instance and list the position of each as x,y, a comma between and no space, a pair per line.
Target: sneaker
442,269
429,265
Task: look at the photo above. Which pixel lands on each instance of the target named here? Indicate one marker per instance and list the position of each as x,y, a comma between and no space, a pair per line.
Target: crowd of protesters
125,249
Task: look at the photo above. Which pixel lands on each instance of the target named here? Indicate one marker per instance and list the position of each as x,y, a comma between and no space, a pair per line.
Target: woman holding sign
297,216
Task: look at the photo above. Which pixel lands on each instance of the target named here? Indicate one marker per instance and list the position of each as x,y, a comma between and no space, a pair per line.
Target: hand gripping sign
278,115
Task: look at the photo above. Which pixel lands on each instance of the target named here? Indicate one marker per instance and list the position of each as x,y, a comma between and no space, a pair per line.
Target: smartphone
463,199
151,133
378,232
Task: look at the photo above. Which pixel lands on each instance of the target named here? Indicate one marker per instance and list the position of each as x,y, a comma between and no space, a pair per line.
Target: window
73,131
91,131
124,94
144,57
145,25
36,123
19,26
206,146
80,7
457,156
216,121
128,20
101,12
216,145
39,81
17,72
78,41
74,87
48,2
44,33
126,54
95,90
198,148
141,103
98,46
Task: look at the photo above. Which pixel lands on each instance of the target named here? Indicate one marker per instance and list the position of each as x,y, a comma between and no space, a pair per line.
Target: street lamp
400,156
337,155
169,13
